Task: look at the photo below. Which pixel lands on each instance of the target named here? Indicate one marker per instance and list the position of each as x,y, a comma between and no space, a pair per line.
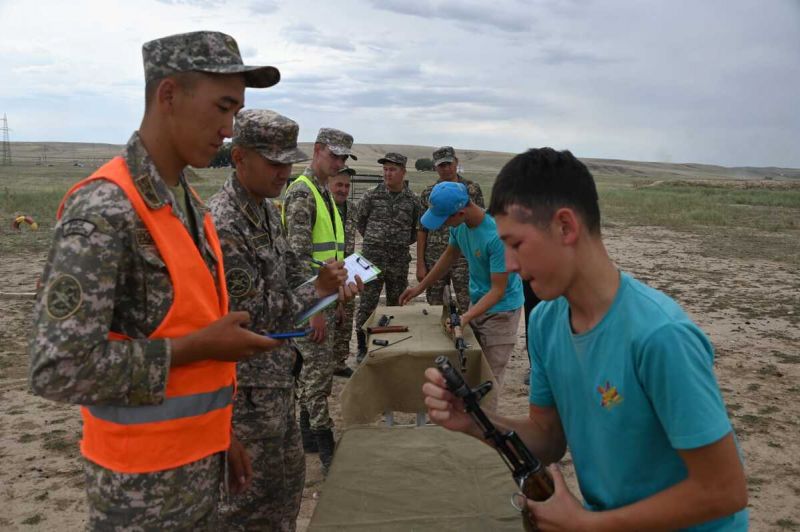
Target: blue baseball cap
447,198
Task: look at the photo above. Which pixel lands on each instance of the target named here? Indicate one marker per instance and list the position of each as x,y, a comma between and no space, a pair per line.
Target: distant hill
474,161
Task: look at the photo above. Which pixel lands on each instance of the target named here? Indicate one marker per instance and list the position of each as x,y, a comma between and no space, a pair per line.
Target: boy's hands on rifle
444,408
562,511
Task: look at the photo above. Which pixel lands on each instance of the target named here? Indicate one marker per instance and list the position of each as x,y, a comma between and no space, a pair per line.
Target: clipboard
355,264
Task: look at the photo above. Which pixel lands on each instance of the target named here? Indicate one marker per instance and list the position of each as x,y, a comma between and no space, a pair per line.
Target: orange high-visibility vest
194,421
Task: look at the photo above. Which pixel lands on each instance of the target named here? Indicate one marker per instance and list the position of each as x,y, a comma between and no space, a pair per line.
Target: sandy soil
750,309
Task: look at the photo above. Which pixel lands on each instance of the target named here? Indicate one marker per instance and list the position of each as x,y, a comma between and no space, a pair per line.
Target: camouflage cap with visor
202,51
393,157
272,135
445,154
347,170
338,142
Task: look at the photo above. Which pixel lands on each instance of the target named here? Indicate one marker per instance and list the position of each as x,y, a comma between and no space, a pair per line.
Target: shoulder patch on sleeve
78,226
64,297
239,282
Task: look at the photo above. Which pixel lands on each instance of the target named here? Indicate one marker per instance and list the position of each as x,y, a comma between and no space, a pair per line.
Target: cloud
561,56
471,13
263,7
195,3
306,34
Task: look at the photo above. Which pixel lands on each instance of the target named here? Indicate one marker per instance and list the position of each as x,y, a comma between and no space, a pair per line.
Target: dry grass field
724,242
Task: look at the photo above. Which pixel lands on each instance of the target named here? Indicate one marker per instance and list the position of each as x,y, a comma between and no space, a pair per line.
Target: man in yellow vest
132,320
315,231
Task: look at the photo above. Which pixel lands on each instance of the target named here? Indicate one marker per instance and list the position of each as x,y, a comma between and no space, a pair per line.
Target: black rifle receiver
530,475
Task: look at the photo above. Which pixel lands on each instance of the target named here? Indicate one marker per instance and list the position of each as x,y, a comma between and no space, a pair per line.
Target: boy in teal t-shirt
495,294
619,372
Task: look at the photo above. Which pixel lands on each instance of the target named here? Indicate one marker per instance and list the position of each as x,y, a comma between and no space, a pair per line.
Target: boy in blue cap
619,372
495,294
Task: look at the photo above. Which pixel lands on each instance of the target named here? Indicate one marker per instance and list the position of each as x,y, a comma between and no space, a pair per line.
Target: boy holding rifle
619,371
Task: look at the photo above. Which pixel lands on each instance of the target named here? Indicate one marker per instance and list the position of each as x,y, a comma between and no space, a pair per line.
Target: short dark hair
543,180
187,81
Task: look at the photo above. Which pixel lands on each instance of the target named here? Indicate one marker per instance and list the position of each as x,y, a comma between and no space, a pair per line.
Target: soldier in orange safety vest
132,322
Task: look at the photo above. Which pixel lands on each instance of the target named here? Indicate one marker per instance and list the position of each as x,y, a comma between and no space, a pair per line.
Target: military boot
361,338
309,441
325,443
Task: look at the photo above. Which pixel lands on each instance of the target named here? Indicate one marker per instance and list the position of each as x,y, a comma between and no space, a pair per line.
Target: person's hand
422,271
562,511
226,339
240,470
317,323
351,290
330,278
408,294
464,319
444,408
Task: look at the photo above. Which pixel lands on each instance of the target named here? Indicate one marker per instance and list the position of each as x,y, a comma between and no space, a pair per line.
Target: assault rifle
530,475
455,327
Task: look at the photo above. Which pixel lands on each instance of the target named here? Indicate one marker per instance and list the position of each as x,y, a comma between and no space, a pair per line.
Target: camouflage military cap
338,142
271,134
392,157
202,51
347,170
445,154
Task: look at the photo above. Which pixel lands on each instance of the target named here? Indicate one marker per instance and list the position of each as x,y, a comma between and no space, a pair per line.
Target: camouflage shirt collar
459,179
252,210
309,173
146,178
405,190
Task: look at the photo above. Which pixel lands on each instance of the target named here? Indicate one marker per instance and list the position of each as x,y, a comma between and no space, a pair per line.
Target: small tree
424,164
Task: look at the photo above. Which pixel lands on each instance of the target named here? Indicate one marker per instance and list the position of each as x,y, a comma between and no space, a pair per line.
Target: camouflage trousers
315,383
459,274
393,264
264,421
344,332
183,498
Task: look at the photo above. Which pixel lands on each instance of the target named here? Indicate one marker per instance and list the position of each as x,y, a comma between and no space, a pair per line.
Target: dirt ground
749,308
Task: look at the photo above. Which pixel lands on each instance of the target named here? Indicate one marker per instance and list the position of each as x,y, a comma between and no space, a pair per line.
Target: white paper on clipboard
355,264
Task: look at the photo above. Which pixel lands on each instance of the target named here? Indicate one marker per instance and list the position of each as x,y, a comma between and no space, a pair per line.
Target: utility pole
5,160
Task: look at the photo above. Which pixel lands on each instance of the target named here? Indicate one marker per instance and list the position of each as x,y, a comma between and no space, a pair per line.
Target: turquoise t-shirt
483,249
630,392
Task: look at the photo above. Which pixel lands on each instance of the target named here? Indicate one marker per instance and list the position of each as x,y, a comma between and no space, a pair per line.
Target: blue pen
318,263
289,334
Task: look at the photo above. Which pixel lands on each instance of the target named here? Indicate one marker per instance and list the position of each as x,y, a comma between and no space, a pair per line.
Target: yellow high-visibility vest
327,235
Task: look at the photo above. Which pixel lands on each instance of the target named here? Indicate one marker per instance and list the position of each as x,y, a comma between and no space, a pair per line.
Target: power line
6,158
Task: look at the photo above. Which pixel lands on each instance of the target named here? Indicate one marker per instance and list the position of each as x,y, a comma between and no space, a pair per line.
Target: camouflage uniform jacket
388,220
301,214
104,274
437,240
349,213
262,277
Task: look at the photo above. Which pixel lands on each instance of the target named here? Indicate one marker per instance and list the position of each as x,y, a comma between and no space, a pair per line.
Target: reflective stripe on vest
326,243
194,420
171,408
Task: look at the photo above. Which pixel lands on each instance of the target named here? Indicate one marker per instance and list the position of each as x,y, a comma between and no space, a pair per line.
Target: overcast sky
657,80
